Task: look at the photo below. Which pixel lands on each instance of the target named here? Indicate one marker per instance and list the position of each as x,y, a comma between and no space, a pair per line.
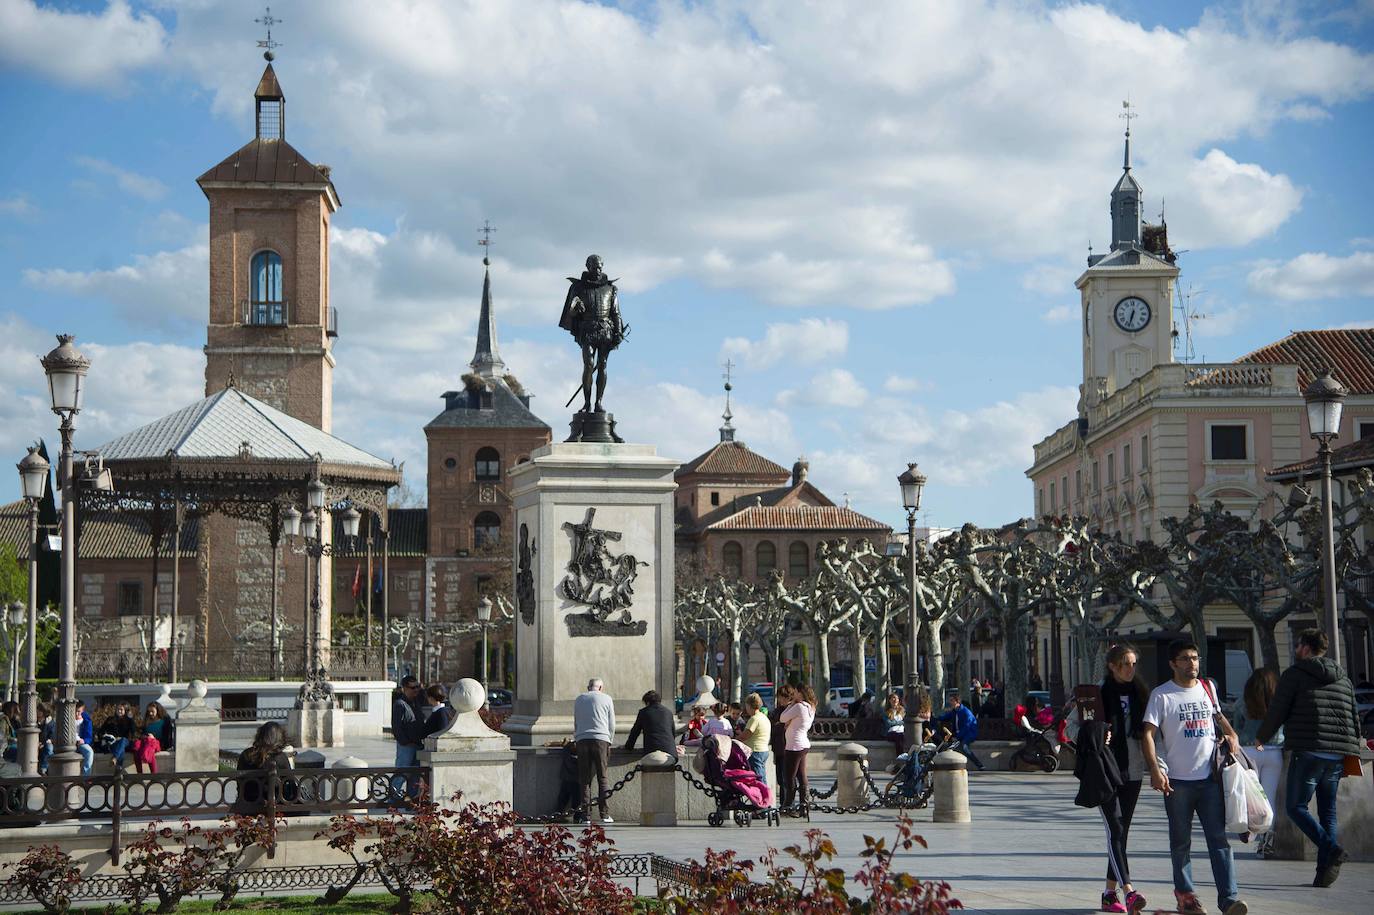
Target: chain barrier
561,817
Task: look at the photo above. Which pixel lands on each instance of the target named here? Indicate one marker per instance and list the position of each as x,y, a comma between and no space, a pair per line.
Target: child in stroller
739,792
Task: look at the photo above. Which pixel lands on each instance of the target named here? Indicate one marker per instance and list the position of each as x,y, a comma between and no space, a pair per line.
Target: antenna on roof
1187,315
267,21
727,430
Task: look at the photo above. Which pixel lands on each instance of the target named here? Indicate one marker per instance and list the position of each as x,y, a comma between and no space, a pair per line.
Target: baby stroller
913,782
1040,753
740,794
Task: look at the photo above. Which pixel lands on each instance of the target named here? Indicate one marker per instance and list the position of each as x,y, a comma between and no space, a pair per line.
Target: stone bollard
850,759
197,737
468,756
658,780
357,789
951,788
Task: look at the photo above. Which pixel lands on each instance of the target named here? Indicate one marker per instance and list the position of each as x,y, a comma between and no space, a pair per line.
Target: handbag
1351,766
1221,751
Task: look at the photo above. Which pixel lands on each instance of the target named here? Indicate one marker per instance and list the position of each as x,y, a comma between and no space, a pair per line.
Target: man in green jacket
1315,706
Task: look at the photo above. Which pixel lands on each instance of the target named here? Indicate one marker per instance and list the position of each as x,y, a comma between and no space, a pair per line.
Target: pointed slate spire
1126,198
486,361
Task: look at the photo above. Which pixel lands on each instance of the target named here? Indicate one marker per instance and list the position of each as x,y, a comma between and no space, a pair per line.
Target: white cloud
831,388
95,50
1228,203
18,205
133,183
902,384
1060,314
804,342
1316,275
1354,325
168,288
1049,279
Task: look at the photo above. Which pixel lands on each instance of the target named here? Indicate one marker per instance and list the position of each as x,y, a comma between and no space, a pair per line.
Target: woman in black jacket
269,751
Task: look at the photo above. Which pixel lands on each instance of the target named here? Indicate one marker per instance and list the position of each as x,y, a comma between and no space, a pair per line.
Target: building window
1144,452
1111,468
766,557
450,463
798,560
1364,430
1227,442
1064,490
130,598
1053,504
732,557
1078,484
486,530
1097,478
715,498
1040,501
266,305
488,464
1126,460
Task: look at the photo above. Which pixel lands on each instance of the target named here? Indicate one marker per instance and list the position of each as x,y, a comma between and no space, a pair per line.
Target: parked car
837,700
500,700
1364,700
766,693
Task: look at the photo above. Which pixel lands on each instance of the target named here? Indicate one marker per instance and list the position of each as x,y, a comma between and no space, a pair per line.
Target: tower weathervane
485,242
267,21
1128,114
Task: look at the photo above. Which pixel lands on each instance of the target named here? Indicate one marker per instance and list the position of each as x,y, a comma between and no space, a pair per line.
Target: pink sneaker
1111,903
1135,903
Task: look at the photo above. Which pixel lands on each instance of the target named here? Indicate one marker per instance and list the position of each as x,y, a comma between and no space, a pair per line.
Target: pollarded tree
860,576
814,601
1084,568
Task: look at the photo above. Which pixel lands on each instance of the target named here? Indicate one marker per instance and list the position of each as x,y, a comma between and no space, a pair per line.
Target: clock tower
1127,296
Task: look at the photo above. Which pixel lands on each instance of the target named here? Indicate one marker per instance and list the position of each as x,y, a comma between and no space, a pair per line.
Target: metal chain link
534,819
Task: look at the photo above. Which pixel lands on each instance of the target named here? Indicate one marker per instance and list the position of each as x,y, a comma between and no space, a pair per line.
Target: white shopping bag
1259,812
1233,791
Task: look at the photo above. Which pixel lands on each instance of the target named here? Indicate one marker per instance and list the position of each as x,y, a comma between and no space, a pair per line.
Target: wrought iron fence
253,714
248,662
51,799
630,868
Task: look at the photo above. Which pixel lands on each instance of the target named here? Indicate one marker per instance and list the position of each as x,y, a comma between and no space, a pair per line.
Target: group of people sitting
115,730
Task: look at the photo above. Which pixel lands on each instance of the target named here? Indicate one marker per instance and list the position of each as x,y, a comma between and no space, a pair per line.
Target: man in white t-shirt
1181,718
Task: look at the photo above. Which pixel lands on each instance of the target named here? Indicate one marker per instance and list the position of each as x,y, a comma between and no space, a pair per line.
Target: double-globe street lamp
1325,398
484,620
912,481
33,482
311,528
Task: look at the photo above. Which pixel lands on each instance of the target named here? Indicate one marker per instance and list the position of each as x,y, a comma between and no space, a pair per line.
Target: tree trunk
884,665
1015,662
1269,646
822,667
935,659
736,669
860,663
1092,654
964,675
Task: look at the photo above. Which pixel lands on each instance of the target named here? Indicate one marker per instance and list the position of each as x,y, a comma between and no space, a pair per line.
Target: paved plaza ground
1028,849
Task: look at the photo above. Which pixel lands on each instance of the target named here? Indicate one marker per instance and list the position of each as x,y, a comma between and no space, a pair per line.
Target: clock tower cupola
1127,294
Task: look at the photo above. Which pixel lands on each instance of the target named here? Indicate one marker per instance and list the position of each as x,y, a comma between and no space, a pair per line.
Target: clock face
1131,314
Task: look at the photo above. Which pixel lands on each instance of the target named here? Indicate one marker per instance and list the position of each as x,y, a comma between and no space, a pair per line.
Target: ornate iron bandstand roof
233,454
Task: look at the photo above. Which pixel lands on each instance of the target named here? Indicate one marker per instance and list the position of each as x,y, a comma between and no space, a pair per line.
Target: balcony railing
265,314
331,322
250,662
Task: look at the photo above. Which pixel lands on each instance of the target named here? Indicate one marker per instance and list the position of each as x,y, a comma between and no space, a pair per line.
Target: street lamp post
33,481
66,369
15,621
311,526
912,481
484,620
1325,398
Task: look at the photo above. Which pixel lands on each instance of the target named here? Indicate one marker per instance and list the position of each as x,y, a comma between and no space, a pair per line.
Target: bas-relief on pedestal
594,581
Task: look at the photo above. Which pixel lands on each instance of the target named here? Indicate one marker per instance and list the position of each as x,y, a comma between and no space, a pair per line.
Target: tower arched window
266,302
732,558
765,558
798,560
486,530
488,464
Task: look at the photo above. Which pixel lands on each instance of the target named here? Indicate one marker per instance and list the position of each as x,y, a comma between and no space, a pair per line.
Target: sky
876,211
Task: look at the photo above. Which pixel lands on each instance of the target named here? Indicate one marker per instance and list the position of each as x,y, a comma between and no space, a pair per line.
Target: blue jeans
87,757
758,761
1308,774
1201,796
406,756
117,750
967,750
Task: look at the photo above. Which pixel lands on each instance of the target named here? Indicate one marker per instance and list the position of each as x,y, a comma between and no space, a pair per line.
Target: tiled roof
1128,259
733,459
1348,353
262,161
103,535
409,529
798,517
507,411
219,425
1347,457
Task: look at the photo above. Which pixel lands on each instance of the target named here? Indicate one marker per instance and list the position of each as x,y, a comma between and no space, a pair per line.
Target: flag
357,581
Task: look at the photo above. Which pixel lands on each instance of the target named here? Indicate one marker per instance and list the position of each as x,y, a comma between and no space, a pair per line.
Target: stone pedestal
468,756
606,510
197,736
315,723
951,788
849,777
658,781
357,789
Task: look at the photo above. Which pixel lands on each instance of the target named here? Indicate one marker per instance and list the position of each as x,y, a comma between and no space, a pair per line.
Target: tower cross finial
267,20
727,431
486,243
1128,114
